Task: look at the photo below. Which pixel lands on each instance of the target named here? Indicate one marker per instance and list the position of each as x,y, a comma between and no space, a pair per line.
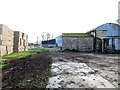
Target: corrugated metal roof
112,29
108,26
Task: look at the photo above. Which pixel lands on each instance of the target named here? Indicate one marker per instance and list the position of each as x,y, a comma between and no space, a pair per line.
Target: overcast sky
56,16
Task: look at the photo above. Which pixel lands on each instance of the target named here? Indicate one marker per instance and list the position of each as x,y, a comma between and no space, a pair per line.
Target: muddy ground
29,72
84,70
62,70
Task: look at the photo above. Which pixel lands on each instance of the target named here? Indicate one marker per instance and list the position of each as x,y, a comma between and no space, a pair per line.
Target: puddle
75,75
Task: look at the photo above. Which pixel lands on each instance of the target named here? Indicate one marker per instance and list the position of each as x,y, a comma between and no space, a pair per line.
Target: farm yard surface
54,69
84,70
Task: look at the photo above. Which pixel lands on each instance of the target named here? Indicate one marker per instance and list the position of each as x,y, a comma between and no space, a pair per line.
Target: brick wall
77,43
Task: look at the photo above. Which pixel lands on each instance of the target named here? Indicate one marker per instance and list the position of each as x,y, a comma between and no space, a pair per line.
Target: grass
38,48
76,34
22,54
31,51
2,64
19,54
15,55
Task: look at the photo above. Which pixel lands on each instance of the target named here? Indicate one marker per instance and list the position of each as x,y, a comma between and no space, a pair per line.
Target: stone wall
20,41
6,40
77,43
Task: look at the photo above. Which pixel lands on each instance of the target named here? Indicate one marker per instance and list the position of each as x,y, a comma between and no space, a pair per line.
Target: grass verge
15,55
23,54
2,63
38,48
19,54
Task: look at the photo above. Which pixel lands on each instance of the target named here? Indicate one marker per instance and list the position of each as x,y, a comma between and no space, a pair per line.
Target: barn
49,43
58,40
77,41
109,37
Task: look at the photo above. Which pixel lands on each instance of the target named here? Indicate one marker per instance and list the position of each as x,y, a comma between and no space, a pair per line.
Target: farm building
109,37
58,40
77,41
49,43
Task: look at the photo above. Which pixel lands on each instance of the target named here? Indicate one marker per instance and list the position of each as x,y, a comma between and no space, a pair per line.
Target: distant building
77,41
59,41
109,37
49,43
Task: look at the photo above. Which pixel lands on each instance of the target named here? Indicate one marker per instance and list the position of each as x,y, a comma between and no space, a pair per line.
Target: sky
34,17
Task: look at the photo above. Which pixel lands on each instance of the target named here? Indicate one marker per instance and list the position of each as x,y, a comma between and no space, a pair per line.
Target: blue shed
59,41
49,43
109,34
111,28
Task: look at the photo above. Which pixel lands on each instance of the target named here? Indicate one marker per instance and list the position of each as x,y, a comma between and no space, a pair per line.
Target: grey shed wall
77,43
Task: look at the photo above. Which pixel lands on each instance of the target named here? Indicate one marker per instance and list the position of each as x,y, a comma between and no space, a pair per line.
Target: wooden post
113,44
102,45
94,44
95,40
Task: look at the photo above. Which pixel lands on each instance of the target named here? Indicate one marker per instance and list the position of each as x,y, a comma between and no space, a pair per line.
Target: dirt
62,70
29,72
84,70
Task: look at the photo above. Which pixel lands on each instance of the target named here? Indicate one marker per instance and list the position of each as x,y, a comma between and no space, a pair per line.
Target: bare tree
52,35
48,36
37,42
43,36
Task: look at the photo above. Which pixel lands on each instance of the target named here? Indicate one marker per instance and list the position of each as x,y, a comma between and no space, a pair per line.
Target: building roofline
102,25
